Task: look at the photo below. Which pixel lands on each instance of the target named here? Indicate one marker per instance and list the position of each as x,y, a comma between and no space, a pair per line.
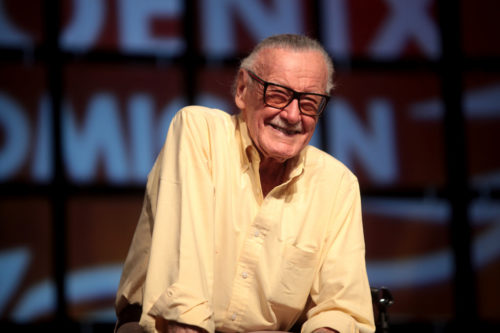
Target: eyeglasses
279,97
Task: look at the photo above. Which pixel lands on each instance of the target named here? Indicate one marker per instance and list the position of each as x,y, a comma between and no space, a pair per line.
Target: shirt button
233,317
244,275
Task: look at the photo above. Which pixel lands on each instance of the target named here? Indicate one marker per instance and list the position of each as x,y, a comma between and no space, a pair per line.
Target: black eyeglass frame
295,95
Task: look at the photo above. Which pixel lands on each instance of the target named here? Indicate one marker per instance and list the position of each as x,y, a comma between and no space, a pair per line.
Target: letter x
408,20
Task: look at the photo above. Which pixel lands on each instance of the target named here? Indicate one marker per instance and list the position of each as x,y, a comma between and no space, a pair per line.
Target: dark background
88,88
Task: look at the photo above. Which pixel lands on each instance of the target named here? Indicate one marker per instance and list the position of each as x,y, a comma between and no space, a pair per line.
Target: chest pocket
295,278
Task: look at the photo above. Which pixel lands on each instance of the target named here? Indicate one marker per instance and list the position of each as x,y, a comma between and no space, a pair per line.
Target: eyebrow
312,91
288,87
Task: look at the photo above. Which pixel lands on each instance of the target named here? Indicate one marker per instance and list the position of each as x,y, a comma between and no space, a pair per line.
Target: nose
291,112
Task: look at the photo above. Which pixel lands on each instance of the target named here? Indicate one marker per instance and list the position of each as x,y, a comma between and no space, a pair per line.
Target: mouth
286,131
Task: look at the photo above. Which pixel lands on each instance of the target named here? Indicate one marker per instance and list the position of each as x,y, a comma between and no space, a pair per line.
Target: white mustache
277,121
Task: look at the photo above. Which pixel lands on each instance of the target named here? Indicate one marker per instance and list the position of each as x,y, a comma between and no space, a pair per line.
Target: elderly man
244,226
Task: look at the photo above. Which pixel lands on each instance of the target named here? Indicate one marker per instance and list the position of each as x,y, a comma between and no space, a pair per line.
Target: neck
272,173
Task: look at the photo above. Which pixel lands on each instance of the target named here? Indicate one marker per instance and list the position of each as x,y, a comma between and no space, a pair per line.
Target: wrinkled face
281,134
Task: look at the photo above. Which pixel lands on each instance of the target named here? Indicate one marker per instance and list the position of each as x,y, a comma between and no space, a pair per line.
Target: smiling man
244,226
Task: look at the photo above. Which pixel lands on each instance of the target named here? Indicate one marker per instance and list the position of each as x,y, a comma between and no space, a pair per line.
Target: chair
128,320
381,299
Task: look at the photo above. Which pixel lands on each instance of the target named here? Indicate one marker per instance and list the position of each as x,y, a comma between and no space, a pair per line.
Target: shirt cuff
336,320
179,305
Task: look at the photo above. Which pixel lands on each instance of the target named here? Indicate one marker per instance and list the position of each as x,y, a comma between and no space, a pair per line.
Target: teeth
284,130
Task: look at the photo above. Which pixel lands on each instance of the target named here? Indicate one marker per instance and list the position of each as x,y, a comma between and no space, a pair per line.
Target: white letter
140,114
85,25
13,265
42,160
373,147
11,35
219,27
135,31
16,142
334,16
409,20
165,119
101,135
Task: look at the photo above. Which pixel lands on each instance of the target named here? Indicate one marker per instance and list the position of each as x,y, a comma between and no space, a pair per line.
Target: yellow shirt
211,251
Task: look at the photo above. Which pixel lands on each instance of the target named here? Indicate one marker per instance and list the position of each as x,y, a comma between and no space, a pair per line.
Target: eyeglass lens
279,97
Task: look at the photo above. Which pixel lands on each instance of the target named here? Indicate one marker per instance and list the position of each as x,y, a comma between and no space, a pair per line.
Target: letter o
16,139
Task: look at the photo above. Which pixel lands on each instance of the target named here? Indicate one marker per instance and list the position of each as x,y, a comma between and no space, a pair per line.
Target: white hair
295,43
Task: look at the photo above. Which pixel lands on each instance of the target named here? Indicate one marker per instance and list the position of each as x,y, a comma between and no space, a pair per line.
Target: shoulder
201,125
196,113
200,120
328,169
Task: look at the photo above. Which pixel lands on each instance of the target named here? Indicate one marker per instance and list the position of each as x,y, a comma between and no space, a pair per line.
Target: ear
241,90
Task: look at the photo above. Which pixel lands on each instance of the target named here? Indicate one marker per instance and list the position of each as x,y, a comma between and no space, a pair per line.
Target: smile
285,130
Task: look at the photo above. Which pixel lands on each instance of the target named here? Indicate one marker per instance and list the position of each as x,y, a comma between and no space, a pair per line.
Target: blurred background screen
88,89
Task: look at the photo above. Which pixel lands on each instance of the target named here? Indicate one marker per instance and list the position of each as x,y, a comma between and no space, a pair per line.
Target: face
281,134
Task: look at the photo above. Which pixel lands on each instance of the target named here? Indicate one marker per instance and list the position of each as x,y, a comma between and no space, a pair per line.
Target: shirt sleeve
131,287
177,282
341,292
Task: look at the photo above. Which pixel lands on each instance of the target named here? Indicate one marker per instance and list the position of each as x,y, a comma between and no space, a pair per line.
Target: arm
178,279
319,330
173,327
341,292
129,297
180,273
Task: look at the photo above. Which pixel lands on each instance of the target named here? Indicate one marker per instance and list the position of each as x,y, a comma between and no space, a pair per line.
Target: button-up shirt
211,251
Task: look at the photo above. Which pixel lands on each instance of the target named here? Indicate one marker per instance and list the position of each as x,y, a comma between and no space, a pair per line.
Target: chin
279,150
282,156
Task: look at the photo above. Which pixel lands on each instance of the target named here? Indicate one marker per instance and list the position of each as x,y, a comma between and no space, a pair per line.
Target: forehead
303,70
